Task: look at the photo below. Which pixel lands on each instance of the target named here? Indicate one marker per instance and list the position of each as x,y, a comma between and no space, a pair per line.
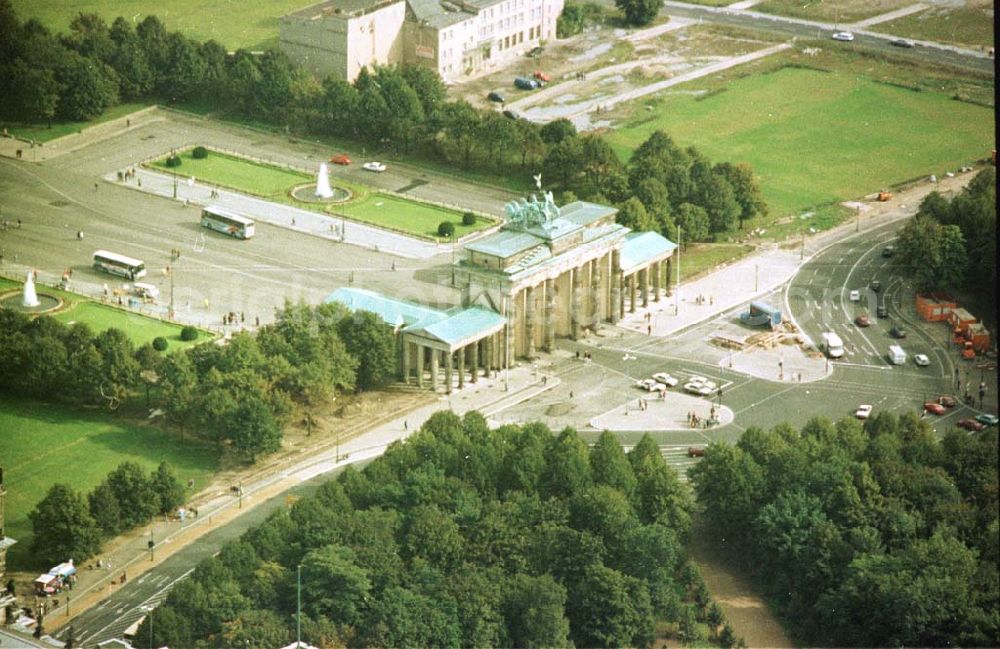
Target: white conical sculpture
30,299
323,182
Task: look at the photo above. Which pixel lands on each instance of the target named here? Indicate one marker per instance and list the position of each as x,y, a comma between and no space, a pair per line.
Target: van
525,83
896,355
833,345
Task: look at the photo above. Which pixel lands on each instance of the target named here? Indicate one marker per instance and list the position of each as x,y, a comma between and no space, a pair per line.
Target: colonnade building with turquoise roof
547,272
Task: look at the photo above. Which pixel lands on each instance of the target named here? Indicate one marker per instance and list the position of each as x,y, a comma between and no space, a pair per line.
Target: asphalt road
926,52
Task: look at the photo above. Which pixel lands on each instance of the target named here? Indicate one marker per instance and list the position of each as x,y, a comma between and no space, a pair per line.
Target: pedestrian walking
406,425
139,181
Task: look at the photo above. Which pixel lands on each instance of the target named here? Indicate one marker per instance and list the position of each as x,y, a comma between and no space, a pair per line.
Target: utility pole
677,291
241,494
756,277
298,606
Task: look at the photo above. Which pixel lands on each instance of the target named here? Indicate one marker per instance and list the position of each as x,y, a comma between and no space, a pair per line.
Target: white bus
116,264
226,222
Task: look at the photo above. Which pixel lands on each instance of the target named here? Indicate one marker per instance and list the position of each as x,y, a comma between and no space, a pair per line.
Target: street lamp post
677,290
298,606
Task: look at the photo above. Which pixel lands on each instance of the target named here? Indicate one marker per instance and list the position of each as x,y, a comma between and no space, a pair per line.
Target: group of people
232,317
7,225
701,299
585,356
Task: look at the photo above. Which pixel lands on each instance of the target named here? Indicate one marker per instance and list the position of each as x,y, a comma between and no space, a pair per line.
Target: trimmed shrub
174,161
189,333
446,229
160,344
199,153
468,218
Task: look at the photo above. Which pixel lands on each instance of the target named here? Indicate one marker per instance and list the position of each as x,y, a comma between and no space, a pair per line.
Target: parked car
694,451
947,401
697,379
541,76
511,114
374,166
921,360
901,42
881,311
843,36
496,96
855,296
934,407
897,332
650,385
536,51
970,425
340,159
525,83
888,251
699,388
863,320
876,285
666,379
986,419
863,411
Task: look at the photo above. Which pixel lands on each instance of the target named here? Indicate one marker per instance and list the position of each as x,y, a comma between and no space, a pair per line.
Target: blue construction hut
760,314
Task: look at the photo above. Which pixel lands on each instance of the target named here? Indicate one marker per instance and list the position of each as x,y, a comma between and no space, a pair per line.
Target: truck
833,345
896,355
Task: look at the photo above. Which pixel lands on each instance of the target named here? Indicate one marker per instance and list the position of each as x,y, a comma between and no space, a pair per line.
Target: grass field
970,26
38,441
42,133
366,205
834,11
818,137
139,328
234,23
700,257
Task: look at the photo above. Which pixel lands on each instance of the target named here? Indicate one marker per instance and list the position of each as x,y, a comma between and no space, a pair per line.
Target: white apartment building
457,38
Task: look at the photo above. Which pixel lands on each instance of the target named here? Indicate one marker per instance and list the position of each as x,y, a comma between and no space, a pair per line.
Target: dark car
511,114
901,42
888,251
536,51
896,332
863,320
496,96
876,285
882,311
970,425
947,401
987,419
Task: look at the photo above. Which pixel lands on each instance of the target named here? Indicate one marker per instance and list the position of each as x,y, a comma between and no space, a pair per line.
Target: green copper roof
462,326
505,243
642,247
393,312
584,213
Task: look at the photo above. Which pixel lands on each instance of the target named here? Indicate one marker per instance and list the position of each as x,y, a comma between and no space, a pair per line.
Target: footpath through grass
366,204
42,444
817,137
234,23
44,133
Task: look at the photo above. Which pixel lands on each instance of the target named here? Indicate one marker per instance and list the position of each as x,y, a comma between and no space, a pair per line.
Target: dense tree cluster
639,12
877,535
460,537
68,526
952,245
79,75
239,393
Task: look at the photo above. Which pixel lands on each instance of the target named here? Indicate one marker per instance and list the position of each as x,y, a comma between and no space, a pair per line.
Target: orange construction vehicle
885,196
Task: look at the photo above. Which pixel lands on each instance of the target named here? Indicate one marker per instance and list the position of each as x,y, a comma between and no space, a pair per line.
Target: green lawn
39,441
968,26
366,205
816,137
139,328
701,257
234,23
834,11
43,133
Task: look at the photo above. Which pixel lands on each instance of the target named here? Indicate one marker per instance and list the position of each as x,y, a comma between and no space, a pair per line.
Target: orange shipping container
934,307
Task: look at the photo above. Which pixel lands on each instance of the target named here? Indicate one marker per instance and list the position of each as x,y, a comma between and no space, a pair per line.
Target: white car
843,36
863,411
666,379
699,389
650,385
697,380
374,166
921,360
855,296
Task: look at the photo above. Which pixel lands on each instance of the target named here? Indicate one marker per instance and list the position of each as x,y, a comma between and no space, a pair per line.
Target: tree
609,465
729,485
632,214
563,161
610,609
90,37
567,468
373,344
534,608
655,197
62,528
333,585
746,191
105,510
427,85
693,221
719,202
932,253
560,129
273,90
34,92
253,428
183,74
639,12
403,618
134,493
458,122
89,88
256,629
570,21
167,487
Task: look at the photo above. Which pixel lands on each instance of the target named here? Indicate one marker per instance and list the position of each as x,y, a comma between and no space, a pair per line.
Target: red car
541,76
341,159
946,401
863,321
970,425
933,406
